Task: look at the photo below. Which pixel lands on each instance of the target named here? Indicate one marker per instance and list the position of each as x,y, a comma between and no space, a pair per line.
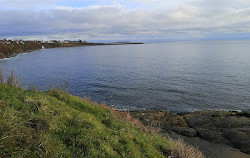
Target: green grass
56,124
13,48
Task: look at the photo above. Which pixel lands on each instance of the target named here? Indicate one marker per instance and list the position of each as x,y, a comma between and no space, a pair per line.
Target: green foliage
14,48
56,124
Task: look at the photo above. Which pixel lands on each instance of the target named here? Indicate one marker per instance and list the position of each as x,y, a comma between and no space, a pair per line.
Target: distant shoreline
10,48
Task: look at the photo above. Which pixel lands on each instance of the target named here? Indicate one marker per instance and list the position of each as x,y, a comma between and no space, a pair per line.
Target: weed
1,76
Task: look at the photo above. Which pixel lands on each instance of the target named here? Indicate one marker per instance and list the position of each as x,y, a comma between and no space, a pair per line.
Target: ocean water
171,76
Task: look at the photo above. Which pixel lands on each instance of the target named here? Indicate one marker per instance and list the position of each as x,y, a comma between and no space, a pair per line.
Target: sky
125,20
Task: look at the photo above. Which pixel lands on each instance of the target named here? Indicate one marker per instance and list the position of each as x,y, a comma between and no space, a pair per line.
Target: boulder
211,135
186,131
232,122
239,138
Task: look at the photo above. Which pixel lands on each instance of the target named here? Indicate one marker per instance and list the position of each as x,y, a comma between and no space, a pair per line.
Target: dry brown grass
126,116
1,76
180,149
12,79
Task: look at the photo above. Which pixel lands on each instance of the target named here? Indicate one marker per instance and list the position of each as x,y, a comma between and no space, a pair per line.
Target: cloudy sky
131,20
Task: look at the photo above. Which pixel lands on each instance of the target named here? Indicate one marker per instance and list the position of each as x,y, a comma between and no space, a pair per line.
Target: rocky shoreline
12,48
222,127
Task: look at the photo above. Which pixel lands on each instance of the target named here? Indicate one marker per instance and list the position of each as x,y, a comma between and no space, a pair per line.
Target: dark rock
240,139
175,121
183,113
246,114
211,135
198,120
189,132
232,122
232,128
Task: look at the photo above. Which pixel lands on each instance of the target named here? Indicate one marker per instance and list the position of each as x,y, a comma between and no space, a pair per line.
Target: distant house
21,41
9,41
66,41
80,41
54,41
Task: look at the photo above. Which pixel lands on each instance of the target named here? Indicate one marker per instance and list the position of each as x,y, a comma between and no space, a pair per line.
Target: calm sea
172,76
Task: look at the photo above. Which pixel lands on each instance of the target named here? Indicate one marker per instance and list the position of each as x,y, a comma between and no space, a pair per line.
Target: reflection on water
173,76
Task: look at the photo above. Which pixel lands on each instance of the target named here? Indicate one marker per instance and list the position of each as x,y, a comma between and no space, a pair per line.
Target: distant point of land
10,48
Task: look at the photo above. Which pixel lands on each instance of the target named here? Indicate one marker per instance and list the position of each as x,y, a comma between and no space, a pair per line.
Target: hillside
56,124
12,48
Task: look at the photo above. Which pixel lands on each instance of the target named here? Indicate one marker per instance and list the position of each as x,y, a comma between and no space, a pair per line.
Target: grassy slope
56,124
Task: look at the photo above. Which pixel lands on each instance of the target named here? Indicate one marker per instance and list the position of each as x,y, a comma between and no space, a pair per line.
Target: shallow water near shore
172,76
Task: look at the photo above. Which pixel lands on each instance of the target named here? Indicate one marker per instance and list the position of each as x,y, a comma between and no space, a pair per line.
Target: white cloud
113,20
21,4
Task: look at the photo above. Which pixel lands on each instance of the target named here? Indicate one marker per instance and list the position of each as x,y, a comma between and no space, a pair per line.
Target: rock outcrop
232,128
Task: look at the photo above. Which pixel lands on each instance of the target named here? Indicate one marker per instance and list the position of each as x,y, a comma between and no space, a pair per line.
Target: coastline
56,124
12,49
228,129
208,131
209,149
231,129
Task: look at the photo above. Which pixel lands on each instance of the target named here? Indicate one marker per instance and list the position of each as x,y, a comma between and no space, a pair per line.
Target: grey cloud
221,3
19,4
116,22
